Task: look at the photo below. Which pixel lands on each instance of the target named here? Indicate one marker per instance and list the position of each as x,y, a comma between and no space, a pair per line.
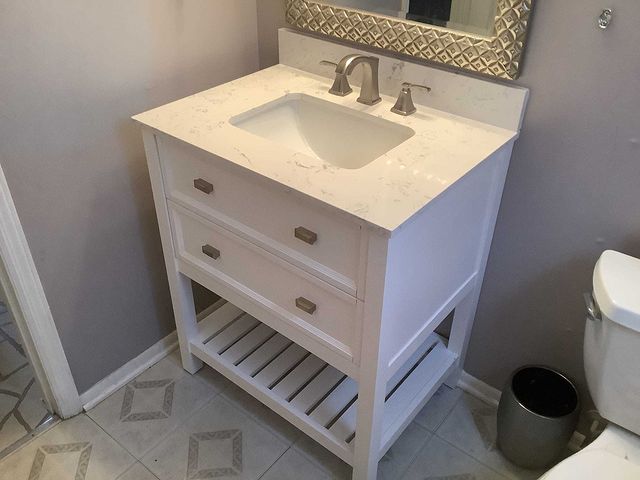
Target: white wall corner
479,389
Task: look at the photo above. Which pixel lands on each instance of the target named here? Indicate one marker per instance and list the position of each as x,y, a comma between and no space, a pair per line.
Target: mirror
471,16
483,36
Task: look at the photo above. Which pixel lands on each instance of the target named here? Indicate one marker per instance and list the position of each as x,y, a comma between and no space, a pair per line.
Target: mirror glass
470,16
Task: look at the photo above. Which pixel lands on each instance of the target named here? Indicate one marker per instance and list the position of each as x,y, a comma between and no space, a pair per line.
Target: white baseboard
128,371
479,389
136,366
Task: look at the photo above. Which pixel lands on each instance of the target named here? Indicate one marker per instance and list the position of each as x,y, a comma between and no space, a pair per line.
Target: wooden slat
263,355
304,389
345,426
337,400
278,405
232,333
427,374
217,321
248,343
408,365
317,388
288,359
298,377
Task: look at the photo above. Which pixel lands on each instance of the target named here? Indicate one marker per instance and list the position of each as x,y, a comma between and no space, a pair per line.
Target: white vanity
340,234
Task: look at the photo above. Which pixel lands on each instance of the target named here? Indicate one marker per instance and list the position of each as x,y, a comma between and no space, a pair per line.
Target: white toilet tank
612,342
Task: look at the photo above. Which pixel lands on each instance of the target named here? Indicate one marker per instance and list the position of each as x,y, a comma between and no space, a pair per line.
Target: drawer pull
202,185
306,235
210,251
305,305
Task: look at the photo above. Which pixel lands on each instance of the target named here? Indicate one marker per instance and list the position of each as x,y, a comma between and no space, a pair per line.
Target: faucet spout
370,91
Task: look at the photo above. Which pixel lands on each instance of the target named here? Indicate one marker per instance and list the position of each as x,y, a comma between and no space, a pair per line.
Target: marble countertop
384,194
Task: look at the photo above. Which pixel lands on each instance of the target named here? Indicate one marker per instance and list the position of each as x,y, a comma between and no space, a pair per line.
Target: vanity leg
368,427
373,367
179,285
463,317
186,322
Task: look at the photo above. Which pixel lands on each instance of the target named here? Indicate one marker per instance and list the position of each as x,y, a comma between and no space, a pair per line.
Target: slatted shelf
311,394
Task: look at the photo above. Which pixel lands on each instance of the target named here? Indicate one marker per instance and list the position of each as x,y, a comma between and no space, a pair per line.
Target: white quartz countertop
385,193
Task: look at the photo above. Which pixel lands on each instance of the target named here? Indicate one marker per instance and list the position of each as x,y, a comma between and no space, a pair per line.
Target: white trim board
28,303
479,389
134,367
130,370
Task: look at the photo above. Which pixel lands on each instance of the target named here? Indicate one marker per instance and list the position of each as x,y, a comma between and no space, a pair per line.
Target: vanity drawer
300,299
309,236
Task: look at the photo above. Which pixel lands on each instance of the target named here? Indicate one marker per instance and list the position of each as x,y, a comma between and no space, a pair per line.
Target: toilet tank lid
616,288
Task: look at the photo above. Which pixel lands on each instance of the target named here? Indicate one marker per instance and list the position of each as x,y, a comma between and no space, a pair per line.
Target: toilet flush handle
593,312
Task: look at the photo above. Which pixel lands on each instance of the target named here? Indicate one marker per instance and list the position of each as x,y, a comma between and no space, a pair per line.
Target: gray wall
271,16
73,73
573,188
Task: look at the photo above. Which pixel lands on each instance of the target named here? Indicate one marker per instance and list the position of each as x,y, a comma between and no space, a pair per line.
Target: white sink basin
335,134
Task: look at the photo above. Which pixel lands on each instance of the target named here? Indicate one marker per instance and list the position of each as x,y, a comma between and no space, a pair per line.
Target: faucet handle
328,63
341,85
409,86
404,106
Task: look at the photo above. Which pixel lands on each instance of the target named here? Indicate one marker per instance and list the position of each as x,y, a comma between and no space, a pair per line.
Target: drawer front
310,237
302,300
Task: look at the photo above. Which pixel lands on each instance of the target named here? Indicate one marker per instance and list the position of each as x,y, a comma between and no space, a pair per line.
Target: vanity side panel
433,261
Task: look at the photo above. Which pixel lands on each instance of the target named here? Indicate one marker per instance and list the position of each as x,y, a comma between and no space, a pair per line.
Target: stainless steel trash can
537,416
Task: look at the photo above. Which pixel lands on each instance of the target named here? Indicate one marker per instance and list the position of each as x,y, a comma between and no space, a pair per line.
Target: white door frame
30,309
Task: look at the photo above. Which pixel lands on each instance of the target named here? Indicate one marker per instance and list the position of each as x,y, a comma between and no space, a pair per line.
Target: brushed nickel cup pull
305,305
202,185
306,235
210,251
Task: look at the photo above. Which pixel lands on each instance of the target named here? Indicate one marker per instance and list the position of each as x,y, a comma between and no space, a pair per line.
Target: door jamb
28,304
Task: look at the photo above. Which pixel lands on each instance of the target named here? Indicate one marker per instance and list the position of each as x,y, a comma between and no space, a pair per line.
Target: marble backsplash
492,102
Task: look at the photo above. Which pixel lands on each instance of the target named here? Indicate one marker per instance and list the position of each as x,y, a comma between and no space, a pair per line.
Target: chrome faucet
370,92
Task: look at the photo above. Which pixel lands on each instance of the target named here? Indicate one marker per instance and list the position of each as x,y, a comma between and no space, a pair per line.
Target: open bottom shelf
308,392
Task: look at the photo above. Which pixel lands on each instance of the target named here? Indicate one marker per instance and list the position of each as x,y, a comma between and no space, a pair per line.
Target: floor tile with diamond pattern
169,425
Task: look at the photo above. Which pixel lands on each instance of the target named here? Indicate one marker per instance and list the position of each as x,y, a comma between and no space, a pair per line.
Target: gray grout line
13,342
120,444
468,454
415,455
9,393
137,462
135,459
127,469
8,376
435,434
446,417
15,411
276,461
162,438
415,458
18,445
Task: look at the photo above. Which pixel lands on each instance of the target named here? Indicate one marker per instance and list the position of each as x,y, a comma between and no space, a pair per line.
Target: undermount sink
335,134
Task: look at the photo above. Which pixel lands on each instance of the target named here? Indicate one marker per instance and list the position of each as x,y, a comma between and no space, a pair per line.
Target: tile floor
21,406
167,425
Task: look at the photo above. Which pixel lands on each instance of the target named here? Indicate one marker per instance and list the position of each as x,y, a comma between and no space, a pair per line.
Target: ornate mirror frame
499,55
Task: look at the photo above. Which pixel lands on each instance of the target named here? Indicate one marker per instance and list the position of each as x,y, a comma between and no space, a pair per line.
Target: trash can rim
550,369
